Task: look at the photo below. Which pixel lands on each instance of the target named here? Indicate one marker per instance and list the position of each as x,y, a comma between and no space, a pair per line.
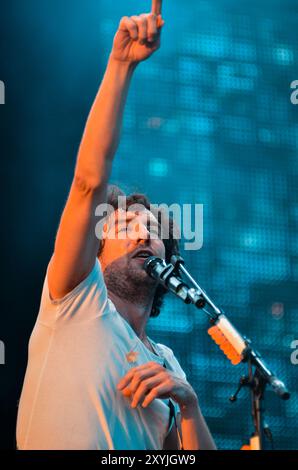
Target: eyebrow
126,220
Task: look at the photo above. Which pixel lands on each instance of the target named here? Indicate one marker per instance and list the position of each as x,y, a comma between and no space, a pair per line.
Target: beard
128,280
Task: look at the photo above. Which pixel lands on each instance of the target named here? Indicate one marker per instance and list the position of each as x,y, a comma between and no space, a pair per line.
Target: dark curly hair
171,243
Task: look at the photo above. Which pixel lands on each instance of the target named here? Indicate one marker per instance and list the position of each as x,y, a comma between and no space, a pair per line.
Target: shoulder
86,301
166,350
171,359
92,280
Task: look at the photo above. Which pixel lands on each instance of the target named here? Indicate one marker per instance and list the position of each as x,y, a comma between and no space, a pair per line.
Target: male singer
94,379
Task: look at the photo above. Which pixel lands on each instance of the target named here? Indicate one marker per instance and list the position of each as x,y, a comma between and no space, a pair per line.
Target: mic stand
238,349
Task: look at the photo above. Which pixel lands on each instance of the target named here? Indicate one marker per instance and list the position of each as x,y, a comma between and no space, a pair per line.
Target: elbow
89,184
92,175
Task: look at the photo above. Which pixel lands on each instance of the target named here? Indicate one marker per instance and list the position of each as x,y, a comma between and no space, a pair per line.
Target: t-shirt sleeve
86,301
174,365
172,361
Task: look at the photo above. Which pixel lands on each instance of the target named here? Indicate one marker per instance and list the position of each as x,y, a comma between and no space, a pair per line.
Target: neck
136,314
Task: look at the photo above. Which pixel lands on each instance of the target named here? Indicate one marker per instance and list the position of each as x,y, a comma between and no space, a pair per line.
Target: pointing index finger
156,7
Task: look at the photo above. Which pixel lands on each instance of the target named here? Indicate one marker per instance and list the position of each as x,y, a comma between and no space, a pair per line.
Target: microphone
157,269
235,346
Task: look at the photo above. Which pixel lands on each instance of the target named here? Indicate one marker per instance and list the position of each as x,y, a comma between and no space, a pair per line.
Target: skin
129,287
137,38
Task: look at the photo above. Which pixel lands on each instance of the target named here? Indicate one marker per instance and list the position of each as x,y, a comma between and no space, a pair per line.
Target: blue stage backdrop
209,120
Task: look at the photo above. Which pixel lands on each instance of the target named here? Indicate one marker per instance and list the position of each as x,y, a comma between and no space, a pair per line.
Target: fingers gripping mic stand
236,347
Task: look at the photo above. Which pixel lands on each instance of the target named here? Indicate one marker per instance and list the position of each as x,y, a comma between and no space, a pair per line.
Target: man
94,379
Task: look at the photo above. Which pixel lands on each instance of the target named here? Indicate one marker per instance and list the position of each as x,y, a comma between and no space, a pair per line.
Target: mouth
143,254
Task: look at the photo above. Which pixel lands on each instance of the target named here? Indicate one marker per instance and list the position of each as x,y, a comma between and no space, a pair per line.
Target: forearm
135,41
102,131
194,430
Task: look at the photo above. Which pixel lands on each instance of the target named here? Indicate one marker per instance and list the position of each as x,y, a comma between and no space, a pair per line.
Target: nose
143,233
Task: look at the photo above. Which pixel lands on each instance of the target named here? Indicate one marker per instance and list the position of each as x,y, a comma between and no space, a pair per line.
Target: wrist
189,405
125,65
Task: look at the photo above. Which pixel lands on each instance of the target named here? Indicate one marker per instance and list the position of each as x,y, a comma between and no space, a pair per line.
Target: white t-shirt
78,352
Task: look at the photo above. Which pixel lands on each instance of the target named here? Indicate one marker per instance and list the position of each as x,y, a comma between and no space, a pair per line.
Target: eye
153,230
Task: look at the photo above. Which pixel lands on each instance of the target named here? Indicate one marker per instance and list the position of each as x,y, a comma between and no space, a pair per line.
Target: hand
138,37
149,381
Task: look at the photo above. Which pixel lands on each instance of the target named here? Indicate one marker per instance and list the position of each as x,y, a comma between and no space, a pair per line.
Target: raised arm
76,245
